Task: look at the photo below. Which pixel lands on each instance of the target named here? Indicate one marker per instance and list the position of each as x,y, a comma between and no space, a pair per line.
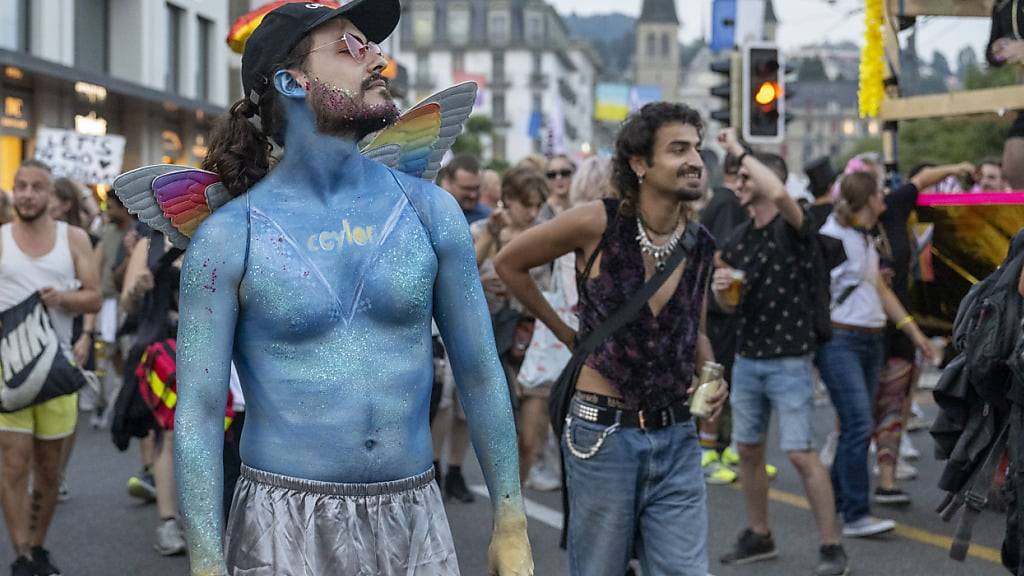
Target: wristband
904,322
739,161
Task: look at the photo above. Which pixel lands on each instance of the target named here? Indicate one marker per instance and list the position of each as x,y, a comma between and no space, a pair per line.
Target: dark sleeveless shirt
650,361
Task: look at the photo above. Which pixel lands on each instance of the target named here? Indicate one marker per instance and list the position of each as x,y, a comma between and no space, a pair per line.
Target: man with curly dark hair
632,460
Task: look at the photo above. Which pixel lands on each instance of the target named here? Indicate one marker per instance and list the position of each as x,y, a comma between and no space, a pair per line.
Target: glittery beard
341,112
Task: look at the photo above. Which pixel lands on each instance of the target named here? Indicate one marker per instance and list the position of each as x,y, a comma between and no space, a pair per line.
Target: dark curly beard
339,112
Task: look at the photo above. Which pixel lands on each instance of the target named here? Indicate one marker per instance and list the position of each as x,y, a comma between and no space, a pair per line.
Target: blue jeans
640,490
850,365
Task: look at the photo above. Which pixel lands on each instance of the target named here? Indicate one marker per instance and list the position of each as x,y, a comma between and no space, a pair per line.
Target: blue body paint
321,283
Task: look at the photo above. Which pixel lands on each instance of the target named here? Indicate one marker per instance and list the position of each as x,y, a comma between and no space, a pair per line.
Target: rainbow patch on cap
246,24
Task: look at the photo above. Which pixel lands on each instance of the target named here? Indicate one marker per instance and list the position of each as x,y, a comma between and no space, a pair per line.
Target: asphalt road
100,531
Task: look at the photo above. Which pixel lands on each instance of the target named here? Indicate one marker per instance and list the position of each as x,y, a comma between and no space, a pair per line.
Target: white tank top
21,275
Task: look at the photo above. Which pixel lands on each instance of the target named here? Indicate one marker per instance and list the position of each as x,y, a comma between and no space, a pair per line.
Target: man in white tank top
39,254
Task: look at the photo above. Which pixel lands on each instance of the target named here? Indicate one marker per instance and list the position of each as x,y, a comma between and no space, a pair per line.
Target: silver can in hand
708,386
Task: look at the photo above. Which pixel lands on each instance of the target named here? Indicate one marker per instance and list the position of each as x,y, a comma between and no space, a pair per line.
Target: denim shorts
783,384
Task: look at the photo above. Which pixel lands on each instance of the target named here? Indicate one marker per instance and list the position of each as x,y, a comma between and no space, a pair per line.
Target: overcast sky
809,21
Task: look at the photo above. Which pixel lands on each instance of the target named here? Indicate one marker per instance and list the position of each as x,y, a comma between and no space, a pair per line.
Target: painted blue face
321,283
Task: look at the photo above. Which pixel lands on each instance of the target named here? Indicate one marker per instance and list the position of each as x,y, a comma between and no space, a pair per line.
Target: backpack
156,374
970,432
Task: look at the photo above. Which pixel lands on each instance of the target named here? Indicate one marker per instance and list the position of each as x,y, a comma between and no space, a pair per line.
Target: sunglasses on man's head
565,173
356,47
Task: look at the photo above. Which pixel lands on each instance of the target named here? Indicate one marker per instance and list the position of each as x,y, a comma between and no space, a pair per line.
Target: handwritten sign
84,158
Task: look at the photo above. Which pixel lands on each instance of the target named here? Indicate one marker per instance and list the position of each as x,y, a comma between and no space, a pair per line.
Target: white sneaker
542,480
907,449
170,540
828,451
905,471
868,526
63,494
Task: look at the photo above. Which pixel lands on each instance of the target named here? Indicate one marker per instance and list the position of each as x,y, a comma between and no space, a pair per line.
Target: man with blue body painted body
332,338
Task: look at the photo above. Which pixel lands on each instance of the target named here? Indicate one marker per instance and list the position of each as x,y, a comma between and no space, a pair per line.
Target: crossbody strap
628,311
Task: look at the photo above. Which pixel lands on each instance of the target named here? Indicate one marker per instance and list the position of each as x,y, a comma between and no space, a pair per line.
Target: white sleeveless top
21,275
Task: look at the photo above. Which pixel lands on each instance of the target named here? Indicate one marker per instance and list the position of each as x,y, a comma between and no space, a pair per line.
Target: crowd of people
557,238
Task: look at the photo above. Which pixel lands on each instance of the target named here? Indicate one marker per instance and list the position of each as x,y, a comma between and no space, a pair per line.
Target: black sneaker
22,567
751,547
832,561
41,563
455,487
893,497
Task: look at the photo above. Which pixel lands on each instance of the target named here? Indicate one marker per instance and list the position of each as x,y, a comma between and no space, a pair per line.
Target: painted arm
210,279
465,325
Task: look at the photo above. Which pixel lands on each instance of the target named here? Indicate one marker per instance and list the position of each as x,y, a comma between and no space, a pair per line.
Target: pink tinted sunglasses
356,48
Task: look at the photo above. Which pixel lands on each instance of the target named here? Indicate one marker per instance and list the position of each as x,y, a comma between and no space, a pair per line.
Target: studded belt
600,412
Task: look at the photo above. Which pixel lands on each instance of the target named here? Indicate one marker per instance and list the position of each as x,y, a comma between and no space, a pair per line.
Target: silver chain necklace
660,253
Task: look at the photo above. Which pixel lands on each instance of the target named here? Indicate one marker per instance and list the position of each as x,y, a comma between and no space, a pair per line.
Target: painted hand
509,553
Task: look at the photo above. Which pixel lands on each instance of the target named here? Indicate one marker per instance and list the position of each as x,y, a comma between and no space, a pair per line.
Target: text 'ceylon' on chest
346,235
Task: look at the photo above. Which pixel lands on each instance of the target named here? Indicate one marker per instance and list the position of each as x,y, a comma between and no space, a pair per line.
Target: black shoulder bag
565,386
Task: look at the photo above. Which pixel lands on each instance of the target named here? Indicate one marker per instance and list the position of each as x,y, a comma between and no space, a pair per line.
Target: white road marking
536,510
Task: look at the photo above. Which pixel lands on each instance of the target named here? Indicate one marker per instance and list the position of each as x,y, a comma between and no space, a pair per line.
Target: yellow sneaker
731,459
715,473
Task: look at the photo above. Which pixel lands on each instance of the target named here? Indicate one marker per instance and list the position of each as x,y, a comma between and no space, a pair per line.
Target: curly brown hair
636,138
239,150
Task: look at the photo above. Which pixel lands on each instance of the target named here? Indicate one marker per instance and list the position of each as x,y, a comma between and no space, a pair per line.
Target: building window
458,61
499,25
423,26
458,25
498,105
175,19
537,63
498,66
651,53
536,103
203,56
92,35
14,24
498,147
423,69
666,45
534,28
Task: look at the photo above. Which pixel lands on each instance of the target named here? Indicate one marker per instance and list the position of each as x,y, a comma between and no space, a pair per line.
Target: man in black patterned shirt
774,358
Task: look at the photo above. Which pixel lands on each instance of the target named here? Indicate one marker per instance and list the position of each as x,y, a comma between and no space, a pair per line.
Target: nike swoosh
27,384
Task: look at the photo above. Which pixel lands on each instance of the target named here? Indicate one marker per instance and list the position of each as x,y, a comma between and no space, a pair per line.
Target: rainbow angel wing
426,132
171,199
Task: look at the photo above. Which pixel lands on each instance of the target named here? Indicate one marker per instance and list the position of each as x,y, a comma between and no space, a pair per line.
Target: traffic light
729,66
763,99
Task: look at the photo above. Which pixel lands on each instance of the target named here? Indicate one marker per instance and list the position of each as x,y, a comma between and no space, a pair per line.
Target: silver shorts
283,526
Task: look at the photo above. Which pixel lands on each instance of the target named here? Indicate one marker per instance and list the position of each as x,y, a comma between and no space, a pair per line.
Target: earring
640,178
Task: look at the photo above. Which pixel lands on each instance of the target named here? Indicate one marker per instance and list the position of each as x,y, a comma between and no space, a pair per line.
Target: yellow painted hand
509,553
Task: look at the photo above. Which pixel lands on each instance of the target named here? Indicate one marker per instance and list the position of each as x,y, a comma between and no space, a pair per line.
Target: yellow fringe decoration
872,61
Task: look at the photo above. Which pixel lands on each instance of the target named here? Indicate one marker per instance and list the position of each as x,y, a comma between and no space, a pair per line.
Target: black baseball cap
284,27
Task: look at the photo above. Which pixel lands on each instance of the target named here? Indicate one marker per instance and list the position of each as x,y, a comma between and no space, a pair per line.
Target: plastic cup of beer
732,294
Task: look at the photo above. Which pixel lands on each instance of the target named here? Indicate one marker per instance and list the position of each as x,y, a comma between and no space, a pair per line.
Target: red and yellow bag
159,386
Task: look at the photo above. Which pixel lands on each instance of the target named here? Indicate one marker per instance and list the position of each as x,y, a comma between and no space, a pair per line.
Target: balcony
538,80
500,82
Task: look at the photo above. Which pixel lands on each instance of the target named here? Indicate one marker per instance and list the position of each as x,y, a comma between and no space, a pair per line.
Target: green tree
471,140
940,66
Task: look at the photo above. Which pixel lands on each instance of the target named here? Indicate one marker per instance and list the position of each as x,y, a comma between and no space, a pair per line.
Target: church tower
656,59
